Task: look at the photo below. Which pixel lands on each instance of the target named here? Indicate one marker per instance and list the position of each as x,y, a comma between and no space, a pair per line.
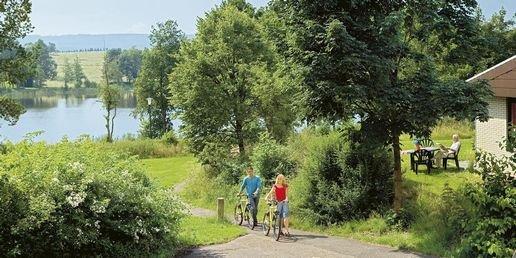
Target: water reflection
71,114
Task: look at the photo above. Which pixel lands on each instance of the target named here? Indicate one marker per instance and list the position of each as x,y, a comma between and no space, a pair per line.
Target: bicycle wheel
280,223
238,214
247,217
274,226
266,227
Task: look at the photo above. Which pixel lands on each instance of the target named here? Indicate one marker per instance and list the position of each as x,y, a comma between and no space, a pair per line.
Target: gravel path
301,244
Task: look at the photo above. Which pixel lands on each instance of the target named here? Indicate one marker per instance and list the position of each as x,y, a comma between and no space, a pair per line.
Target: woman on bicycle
280,194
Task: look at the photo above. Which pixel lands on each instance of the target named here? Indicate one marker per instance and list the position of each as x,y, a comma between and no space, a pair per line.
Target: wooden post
220,208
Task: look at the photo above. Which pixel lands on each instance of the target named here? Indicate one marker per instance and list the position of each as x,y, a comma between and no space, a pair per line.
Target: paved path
301,244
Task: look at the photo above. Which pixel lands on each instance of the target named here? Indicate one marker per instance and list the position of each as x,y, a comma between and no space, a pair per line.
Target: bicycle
240,214
272,219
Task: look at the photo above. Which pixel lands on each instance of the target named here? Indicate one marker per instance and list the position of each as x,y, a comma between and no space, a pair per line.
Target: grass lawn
91,63
197,231
170,171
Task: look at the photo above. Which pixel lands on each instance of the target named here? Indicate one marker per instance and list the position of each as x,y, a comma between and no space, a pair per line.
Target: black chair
422,157
426,142
452,156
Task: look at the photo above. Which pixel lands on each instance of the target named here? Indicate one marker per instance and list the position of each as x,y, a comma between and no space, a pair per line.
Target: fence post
220,208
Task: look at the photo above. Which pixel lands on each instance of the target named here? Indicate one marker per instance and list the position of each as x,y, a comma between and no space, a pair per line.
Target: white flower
77,166
76,198
97,224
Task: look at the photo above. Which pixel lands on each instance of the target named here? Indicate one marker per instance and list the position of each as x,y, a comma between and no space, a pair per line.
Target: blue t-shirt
251,185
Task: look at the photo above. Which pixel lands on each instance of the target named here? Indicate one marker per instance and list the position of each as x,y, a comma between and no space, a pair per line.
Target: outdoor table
411,153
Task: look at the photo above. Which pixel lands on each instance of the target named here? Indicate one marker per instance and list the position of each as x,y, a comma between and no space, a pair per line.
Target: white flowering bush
81,199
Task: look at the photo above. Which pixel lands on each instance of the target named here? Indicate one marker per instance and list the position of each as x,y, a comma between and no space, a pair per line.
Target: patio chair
453,156
427,142
422,157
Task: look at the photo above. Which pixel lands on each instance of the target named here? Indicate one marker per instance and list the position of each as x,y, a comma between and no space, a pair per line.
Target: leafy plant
270,159
341,179
81,199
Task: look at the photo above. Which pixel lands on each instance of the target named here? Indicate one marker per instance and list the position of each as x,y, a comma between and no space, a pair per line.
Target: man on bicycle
252,184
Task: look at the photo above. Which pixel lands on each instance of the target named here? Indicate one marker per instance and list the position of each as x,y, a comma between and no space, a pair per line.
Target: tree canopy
14,24
153,80
382,65
228,83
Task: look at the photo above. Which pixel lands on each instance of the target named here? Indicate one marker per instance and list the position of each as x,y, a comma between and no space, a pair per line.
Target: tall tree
110,96
378,64
42,65
14,24
68,73
78,73
111,66
130,63
153,81
224,80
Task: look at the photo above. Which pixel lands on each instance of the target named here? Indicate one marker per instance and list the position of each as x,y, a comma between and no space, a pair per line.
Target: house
502,107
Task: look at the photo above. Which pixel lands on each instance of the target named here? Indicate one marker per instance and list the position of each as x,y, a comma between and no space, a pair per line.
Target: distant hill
92,41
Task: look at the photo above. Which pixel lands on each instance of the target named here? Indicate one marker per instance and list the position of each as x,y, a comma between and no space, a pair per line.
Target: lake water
61,114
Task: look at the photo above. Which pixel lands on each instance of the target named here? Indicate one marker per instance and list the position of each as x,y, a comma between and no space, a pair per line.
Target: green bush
169,138
82,199
341,179
493,232
270,159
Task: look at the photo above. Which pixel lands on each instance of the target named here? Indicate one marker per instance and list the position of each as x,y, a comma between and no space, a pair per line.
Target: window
511,119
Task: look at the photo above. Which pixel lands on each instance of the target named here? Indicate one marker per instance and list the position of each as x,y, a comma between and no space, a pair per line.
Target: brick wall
489,134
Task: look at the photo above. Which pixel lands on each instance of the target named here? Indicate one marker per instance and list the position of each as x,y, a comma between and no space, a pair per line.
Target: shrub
81,199
270,159
341,179
169,138
493,232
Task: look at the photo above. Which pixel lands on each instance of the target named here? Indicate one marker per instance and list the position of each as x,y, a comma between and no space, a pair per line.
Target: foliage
498,41
41,65
341,179
454,212
110,96
153,81
77,198
68,73
111,67
225,81
14,24
170,138
10,110
381,65
78,73
130,63
493,232
270,159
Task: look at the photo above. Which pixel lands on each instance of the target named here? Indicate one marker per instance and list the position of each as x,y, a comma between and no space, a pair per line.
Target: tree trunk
398,192
108,127
240,137
113,124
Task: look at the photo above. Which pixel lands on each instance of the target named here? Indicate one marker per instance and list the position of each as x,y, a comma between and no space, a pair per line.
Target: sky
58,17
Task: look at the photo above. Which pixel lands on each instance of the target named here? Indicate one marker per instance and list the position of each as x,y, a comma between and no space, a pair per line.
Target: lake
67,113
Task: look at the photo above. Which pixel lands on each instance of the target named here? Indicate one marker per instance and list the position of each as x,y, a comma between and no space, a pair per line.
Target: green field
91,63
170,171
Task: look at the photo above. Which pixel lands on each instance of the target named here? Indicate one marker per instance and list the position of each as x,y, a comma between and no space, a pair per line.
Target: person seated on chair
447,151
